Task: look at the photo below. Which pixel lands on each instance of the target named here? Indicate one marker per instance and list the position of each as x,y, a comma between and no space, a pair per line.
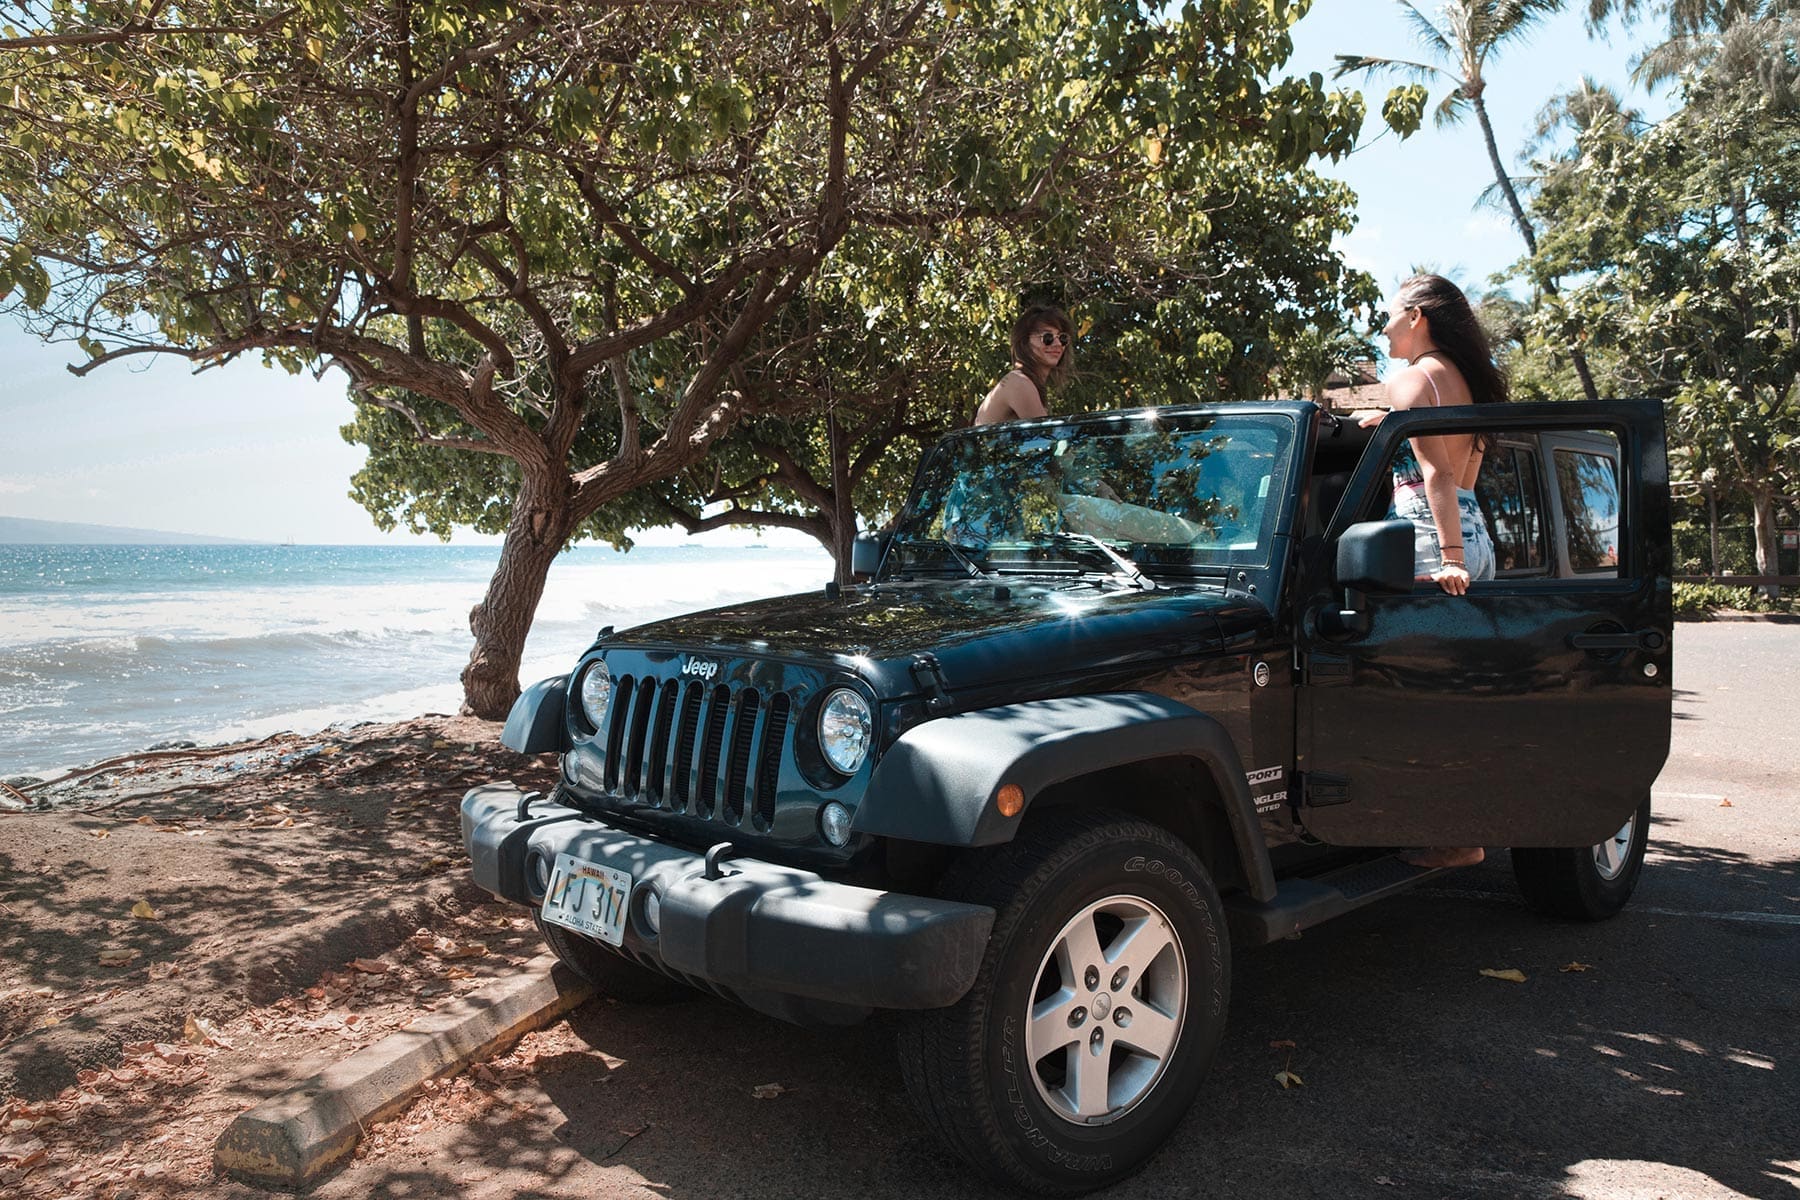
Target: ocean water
106,650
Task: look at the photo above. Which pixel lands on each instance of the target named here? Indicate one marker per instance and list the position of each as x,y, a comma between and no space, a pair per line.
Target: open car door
1535,710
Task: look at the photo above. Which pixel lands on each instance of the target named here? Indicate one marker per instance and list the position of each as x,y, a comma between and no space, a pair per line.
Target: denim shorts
1478,546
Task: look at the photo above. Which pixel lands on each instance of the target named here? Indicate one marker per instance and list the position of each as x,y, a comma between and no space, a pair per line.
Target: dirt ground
185,933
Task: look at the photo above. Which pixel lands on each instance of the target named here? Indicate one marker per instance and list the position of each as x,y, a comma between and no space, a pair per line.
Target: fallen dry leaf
1288,1079
1283,1044
1510,974
117,958
100,833
1724,803
143,912
446,948
369,966
767,1091
202,1032
1577,966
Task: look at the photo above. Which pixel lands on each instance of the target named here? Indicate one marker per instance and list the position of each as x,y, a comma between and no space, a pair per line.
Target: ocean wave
96,673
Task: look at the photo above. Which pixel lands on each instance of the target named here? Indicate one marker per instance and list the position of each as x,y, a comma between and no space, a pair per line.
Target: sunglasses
1047,338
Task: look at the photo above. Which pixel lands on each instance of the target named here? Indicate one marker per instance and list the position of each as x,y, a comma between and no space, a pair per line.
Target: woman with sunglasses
1043,353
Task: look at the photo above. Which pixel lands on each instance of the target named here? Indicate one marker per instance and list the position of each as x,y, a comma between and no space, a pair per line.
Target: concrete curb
1764,618
290,1141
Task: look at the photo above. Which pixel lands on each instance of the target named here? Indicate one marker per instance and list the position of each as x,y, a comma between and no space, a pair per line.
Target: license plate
588,898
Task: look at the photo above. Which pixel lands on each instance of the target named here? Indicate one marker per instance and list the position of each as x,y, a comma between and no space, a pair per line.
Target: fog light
652,912
540,873
834,823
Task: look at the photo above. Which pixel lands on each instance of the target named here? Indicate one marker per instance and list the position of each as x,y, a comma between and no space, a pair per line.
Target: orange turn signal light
1010,800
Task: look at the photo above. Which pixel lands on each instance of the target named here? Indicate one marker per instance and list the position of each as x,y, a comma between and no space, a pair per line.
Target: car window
1512,502
1588,486
1177,493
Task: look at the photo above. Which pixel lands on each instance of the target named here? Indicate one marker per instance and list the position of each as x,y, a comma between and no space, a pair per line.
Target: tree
1682,237
1204,286
566,238
1467,34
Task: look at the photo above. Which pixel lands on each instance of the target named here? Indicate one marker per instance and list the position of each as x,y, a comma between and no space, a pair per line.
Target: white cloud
11,487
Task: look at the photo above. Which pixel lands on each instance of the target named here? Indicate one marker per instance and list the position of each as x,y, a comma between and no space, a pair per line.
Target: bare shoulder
1013,398
1410,389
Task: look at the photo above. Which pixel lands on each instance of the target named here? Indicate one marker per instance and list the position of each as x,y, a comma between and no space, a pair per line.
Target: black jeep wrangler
1123,693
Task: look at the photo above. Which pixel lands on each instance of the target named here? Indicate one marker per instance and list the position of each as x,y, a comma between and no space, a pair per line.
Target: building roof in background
1357,388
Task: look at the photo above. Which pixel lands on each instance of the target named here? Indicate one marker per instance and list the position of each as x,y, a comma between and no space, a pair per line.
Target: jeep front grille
698,748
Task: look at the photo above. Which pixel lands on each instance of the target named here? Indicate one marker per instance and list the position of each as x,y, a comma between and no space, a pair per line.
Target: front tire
1590,883
1096,1011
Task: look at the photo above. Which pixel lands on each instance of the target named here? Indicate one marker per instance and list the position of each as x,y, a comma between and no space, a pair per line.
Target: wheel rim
1105,1010
1611,855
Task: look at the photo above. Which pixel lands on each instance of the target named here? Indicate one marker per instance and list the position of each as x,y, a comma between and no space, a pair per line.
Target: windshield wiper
1122,565
956,552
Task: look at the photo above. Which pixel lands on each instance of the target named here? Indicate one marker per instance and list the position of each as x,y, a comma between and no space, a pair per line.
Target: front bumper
779,939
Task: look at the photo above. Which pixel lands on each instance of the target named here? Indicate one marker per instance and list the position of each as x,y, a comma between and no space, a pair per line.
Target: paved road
1669,1068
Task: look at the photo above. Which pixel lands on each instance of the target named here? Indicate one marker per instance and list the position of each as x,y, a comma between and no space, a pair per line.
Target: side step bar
1302,903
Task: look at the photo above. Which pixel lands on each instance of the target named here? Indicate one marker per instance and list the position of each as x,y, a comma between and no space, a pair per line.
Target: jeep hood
980,634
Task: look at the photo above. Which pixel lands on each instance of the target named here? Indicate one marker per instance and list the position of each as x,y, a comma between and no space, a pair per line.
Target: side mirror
1372,556
868,548
1376,556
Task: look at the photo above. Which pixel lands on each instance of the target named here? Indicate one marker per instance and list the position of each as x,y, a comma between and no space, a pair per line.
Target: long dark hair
1457,334
1029,320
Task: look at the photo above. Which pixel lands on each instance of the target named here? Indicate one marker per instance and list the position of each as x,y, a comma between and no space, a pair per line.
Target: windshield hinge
930,676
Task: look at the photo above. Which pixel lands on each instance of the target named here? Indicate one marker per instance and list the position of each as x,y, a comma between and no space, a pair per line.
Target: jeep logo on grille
701,667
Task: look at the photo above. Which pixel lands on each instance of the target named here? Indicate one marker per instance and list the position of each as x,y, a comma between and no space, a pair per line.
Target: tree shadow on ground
1662,1059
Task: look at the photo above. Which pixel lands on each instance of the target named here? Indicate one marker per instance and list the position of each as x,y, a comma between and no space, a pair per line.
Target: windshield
1170,493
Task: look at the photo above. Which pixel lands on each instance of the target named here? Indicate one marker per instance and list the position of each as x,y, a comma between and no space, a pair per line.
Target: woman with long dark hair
1432,326
1043,353
1450,364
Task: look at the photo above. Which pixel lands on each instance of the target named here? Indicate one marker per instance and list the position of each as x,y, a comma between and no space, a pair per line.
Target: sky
249,452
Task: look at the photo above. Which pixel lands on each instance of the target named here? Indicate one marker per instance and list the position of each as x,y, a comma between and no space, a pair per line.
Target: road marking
1747,918
1685,796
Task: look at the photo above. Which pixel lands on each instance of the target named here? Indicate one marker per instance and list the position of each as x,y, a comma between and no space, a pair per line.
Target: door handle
1643,639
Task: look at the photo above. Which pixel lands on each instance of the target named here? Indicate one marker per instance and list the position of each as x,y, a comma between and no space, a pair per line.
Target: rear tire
1098,1006
611,973
1586,884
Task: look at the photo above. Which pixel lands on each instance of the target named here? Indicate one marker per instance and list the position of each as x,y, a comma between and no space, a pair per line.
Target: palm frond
1451,109
1374,65
1429,35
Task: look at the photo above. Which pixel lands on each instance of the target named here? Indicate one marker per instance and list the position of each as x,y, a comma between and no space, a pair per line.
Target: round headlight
844,729
596,693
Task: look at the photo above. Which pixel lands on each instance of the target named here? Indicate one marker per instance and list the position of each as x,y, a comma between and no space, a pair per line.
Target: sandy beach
185,930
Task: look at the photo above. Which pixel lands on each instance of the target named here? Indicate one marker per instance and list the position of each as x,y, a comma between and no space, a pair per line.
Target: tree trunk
541,523
843,507
1502,178
1576,355
1768,541
1712,524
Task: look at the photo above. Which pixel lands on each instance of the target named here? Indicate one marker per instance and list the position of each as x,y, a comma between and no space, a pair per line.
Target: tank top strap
1435,398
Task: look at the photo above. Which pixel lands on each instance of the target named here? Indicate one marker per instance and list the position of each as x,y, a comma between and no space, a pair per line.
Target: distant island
24,531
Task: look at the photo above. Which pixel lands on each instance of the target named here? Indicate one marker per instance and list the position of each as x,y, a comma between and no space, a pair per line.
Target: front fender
937,783
536,724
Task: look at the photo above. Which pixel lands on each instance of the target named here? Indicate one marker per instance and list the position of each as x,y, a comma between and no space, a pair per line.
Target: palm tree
1738,41
1463,37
